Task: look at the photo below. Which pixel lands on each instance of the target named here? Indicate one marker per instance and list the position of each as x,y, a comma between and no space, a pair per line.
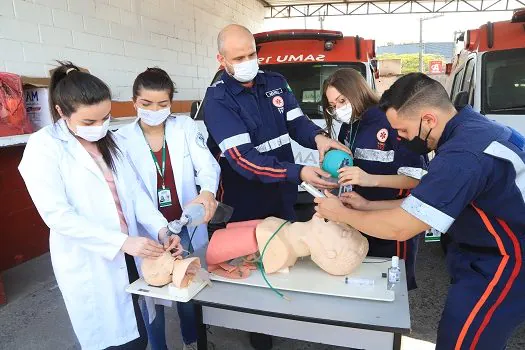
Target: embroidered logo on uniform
199,140
281,110
274,92
278,101
382,135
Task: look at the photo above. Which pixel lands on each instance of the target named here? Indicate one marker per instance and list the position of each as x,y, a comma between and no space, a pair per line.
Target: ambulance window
468,75
503,82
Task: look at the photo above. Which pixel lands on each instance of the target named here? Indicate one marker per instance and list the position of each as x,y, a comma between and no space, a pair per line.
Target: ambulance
306,57
489,72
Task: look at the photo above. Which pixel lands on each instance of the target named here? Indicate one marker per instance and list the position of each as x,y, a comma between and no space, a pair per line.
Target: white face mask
93,133
344,114
245,71
153,118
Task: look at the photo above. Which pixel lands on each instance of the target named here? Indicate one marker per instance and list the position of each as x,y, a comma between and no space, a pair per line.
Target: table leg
397,341
202,335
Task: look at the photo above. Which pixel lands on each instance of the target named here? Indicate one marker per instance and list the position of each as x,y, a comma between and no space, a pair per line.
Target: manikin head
418,107
237,53
337,249
168,269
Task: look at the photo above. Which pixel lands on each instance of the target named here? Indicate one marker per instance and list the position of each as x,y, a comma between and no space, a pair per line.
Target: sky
397,29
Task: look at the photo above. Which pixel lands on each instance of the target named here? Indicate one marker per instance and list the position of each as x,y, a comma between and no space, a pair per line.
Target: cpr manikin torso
337,249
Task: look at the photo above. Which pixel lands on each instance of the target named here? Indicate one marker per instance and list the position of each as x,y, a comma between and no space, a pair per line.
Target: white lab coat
74,200
191,161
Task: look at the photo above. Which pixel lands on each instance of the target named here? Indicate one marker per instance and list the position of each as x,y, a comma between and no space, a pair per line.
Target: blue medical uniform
377,150
475,191
250,131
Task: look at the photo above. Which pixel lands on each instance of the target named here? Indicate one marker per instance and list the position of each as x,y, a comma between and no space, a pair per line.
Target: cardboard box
37,102
36,95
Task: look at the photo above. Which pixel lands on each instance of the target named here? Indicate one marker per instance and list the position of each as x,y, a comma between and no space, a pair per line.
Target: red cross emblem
278,101
382,135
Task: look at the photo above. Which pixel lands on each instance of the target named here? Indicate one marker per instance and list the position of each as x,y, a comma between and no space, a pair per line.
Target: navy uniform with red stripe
377,150
475,191
250,131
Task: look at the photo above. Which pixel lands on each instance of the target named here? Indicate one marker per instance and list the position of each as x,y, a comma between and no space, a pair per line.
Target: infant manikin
337,249
168,269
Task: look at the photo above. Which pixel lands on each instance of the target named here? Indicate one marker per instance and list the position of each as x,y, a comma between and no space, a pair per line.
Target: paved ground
35,317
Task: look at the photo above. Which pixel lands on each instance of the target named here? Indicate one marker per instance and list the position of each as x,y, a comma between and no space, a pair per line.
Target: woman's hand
330,207
354,200
207,199
171,243
355,176
142,247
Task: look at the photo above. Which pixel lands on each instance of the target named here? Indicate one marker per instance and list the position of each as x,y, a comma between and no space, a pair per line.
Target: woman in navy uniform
383,169
475,191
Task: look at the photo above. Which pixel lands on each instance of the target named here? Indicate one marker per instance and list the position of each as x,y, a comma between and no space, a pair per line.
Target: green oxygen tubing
261,267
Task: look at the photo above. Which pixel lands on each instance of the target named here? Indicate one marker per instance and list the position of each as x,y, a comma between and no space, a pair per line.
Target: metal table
353,323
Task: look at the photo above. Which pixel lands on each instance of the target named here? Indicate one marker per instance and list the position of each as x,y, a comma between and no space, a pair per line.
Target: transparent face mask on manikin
245,71
153,118
344,114
93,133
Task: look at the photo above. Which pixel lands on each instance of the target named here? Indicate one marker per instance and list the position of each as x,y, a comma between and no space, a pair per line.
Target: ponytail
70,88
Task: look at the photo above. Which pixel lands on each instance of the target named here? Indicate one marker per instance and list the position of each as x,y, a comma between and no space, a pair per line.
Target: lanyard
160,170
351,140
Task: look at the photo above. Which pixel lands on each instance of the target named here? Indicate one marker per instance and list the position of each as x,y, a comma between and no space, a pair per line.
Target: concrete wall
117,39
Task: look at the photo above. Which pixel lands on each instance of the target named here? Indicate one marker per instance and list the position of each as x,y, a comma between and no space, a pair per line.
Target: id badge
432,235
164,195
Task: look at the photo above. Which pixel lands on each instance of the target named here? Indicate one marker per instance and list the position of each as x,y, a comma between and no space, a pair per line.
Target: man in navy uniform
475,191
251,117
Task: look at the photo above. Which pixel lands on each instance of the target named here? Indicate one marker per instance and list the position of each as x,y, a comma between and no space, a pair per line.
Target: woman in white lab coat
171,157
84,188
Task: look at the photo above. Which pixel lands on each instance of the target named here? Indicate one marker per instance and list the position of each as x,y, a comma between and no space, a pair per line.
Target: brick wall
117,39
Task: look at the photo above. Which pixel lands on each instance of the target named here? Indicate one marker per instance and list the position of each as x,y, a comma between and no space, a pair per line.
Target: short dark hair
71,88
153,79
414,90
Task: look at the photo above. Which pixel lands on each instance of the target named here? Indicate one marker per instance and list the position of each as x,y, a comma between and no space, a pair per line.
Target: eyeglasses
330,110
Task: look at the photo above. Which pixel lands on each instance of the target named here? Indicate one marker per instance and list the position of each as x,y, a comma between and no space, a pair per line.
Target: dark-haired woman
172,158
84,188
383,168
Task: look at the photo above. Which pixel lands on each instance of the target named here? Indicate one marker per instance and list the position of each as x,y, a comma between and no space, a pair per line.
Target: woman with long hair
383,168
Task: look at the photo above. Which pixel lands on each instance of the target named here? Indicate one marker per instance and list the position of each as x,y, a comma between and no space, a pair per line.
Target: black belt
477,249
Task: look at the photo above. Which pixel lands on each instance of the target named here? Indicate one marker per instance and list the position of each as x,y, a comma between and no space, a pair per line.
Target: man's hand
330,207
142,247
313,176
355,176
354,200
207,199
324,144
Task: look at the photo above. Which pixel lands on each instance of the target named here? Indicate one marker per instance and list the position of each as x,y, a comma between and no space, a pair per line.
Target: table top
347,312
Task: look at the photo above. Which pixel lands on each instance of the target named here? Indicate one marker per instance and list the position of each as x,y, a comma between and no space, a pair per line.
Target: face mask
153,118
245,71
344,114
417,144
93,133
